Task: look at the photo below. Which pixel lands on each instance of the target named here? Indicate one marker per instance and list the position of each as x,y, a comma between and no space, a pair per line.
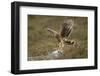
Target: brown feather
66,29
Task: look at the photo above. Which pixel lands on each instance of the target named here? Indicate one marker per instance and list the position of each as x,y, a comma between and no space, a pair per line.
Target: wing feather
66,29
52,31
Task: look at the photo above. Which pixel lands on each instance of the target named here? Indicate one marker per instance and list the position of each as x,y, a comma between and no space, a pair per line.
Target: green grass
40,41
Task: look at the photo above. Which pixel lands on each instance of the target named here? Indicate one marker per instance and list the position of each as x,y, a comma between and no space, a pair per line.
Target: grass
40,41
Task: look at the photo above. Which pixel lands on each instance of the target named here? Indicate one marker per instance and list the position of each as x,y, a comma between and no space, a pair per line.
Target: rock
56,54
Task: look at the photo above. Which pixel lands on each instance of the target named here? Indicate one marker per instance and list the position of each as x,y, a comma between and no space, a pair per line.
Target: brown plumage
63,35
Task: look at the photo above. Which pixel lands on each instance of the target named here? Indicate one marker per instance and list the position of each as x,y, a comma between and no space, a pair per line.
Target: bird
63,34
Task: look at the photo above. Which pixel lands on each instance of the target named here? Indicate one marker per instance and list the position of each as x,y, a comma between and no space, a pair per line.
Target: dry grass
41,42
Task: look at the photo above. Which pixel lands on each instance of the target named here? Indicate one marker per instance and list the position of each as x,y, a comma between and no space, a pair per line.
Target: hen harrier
63,35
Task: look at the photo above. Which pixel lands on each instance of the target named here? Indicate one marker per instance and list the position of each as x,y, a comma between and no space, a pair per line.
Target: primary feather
66,28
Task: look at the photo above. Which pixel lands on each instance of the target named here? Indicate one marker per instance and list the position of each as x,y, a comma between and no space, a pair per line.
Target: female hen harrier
63,35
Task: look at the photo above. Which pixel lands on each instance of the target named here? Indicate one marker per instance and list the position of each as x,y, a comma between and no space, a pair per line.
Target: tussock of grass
40,41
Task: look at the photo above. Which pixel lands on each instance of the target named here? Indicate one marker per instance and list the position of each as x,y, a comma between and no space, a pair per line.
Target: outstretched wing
66,29
52,31
56,34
